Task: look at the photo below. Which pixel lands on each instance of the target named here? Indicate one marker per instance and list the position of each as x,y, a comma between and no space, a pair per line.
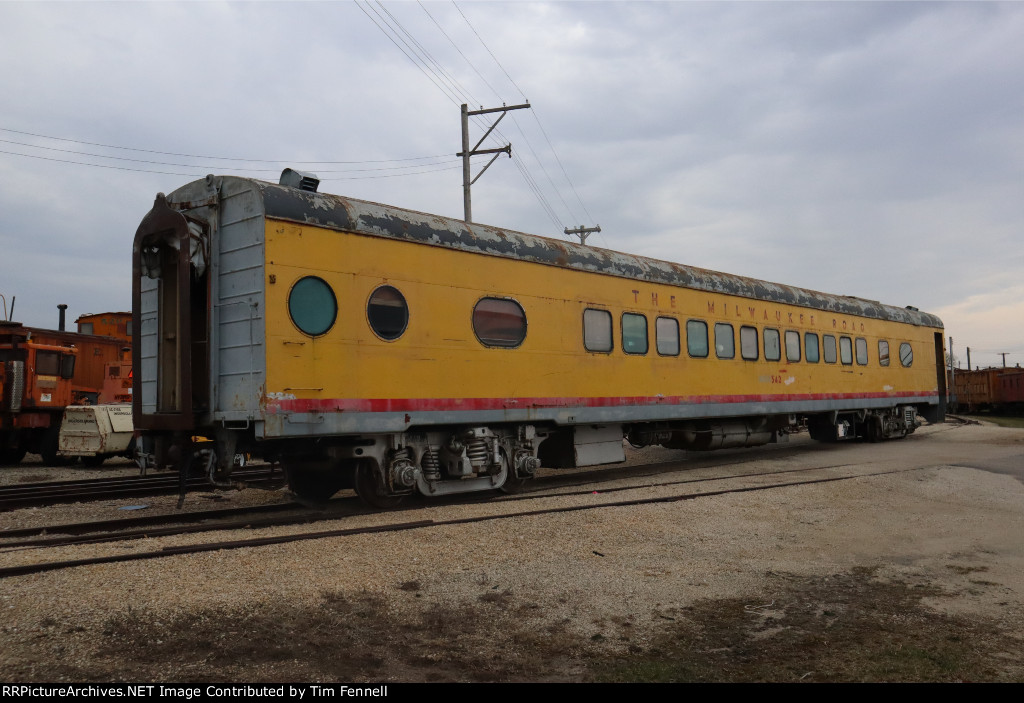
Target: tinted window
811,347
792,345
697,338
387,313
634,333
772,345
312,306
666,330
883,352
862,350
748,343
830,348
597,330
725,342
499,322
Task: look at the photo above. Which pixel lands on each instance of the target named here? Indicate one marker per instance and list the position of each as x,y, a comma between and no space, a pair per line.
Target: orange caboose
107,324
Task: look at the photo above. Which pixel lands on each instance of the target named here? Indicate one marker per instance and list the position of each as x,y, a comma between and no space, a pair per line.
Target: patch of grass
1017,422
843,628
848,627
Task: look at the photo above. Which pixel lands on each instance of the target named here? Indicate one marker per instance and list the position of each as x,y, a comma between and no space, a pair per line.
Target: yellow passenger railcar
396,351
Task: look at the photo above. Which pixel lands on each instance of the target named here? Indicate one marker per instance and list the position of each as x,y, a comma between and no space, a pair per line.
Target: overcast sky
859,148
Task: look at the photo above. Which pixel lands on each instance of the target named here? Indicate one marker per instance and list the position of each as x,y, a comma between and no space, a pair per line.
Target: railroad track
342,511
49,493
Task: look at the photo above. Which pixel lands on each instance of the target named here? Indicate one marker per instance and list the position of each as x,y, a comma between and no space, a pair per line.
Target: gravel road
912,575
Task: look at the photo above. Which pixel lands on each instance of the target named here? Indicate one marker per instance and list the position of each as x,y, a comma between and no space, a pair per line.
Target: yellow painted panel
438,356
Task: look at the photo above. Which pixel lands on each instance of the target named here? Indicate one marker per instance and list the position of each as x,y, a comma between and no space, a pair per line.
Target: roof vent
299,179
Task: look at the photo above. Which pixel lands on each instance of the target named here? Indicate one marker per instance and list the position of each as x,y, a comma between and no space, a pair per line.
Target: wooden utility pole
583,232
467,152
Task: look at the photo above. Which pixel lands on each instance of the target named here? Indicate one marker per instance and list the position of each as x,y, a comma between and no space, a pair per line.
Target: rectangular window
67,366
792,345
634,333
666,330
725,341
772,345
697,338
883,352
748,343
47,363
811,348
84,328
862,350
597,330
846,351
830,348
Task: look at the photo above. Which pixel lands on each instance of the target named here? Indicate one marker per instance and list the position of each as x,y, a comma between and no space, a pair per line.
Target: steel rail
25,569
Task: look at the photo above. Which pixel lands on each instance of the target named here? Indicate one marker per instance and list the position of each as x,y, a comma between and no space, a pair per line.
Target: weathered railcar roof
348,214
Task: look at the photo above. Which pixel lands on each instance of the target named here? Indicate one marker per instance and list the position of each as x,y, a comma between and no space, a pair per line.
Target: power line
537,118
216,158
414,61
200,175
489,51
209,168
456,47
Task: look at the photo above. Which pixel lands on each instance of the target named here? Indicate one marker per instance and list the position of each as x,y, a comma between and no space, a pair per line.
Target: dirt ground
916,575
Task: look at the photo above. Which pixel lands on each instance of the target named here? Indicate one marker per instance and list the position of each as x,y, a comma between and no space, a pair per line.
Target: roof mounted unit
299,179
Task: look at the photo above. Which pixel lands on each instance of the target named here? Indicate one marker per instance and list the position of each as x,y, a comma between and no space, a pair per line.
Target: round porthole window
312,306
387,313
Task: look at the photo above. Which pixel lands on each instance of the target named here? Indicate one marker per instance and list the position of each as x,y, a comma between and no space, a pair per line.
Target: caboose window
862,351
772,345
846,351
748,343
499,322
792,345
85,328
597,330
906,354
634,333
666,329
387,313
830,348
811,348
312,306
725,341
883,352
697,338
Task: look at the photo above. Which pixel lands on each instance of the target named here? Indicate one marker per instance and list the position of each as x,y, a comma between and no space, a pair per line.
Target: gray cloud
873,149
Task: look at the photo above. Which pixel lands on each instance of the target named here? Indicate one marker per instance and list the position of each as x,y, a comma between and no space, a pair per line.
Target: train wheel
93,461
370,489
513,485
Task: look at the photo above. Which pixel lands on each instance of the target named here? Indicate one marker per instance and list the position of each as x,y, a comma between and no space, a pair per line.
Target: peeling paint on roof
363,217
